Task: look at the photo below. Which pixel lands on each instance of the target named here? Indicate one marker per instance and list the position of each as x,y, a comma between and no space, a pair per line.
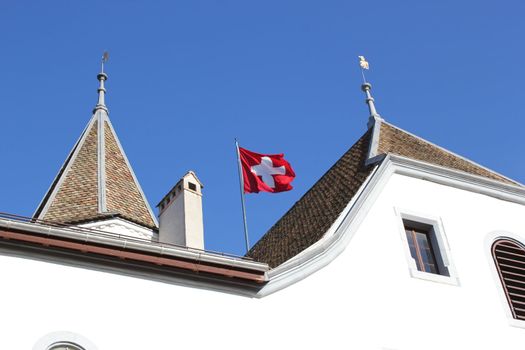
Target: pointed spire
102,77
96,181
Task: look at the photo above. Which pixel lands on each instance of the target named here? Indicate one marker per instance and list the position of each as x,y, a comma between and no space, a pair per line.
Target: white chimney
180,214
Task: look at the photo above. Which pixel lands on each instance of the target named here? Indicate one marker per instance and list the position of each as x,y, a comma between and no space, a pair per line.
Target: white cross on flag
265,172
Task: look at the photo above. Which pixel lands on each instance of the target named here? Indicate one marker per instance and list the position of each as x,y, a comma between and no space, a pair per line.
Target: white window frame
63,337
442,248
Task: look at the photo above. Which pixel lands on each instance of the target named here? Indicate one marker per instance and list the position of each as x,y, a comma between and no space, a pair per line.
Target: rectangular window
424,247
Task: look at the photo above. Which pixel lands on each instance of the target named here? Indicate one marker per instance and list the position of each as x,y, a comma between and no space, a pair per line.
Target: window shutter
509,257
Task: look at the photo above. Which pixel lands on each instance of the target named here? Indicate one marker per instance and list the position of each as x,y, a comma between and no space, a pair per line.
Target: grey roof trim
153,217
375,123
454,154
101,164
43,207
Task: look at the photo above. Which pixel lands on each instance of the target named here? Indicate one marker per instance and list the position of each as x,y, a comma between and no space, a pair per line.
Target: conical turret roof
96,181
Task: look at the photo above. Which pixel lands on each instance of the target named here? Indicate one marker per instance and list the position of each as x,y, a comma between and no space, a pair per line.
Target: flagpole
241,182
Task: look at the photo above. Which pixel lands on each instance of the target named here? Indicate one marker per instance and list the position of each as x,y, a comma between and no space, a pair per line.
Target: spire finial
105,58
102,77
367,87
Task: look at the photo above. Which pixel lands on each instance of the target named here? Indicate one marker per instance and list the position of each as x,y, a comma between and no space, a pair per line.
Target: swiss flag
265,172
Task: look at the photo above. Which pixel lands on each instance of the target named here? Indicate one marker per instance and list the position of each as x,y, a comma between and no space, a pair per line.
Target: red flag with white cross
265,172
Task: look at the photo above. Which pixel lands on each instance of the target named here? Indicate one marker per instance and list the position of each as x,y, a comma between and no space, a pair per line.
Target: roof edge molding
374,123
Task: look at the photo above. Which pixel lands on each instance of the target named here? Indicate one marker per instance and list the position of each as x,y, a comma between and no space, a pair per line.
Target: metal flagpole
241,182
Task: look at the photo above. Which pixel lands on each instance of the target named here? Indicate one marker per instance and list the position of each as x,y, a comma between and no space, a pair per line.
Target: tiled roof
308,220
90,188
123,195
310,217
400,142
76,198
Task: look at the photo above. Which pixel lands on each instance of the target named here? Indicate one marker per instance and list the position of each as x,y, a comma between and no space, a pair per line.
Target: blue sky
187,77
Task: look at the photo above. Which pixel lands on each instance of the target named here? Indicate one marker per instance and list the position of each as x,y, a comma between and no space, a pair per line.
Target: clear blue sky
186,77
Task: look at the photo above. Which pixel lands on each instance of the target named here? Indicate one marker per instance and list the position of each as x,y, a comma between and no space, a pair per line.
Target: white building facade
404,262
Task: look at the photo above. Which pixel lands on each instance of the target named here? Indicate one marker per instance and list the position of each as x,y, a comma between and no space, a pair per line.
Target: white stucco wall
365,299
181,222
172,225
370,282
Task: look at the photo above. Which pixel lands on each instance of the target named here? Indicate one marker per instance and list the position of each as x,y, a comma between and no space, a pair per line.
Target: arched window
63,341
65,346
509,257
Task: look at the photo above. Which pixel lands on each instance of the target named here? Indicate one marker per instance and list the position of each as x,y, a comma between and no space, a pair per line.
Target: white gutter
117,241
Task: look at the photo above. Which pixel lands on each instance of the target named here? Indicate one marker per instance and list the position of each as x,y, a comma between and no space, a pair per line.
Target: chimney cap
188,174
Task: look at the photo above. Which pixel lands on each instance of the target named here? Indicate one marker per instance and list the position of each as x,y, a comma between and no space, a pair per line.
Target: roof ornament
101,104
105,58
367,87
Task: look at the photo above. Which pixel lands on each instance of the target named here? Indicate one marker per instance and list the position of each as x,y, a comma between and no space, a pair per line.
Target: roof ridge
451,153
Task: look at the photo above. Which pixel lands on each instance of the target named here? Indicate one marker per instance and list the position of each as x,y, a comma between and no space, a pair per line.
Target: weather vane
364,65
105,58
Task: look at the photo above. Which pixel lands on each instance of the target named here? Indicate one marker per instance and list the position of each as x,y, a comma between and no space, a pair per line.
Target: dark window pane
421,250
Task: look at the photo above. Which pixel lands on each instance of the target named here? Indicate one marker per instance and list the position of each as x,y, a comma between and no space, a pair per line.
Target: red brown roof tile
309,218
122,193
84,181
76,198
397,141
